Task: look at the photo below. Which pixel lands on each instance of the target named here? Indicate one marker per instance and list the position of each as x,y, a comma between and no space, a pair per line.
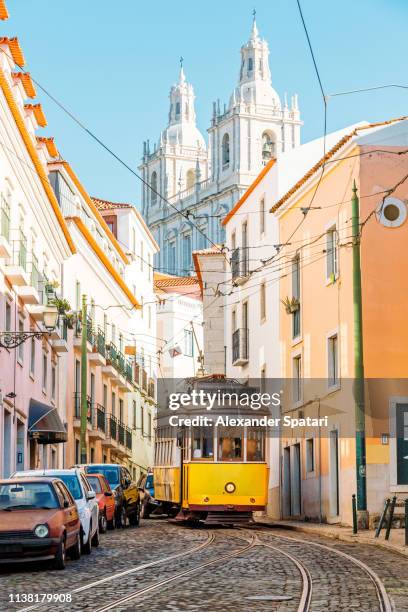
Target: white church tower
244,135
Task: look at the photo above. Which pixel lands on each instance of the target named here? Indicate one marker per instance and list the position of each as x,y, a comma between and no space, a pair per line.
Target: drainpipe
84,382
358,360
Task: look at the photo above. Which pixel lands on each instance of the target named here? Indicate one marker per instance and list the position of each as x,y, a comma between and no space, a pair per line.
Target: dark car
146,489
125,491
38,521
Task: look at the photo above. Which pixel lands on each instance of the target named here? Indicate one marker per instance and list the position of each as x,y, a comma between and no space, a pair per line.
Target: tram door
402,444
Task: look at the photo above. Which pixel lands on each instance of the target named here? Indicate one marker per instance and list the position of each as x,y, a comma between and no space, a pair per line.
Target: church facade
203,179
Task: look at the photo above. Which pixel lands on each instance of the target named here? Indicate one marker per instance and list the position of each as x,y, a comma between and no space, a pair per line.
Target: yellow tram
216,473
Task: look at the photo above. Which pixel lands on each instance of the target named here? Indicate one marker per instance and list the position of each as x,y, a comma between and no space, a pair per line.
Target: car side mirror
66,503
108,493
90,495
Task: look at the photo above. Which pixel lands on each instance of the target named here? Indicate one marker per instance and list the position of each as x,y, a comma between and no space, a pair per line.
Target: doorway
296,481
286,503
334,473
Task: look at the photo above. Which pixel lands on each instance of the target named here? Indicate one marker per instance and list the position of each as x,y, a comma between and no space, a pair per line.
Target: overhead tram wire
113,154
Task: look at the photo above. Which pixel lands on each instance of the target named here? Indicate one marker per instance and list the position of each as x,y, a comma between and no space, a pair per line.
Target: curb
350,539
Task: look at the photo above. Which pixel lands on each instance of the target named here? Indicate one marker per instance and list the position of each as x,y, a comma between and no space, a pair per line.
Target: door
295,481
334,473
286,502
402,444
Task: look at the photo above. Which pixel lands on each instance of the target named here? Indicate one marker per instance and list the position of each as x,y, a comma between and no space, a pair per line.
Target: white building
207,180
179,326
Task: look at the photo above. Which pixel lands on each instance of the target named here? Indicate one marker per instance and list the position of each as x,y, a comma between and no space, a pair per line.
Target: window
32,357
255,450
113,403
250,64
113,332
230,444
262,299
121,343
134,408
310,455
186,253
153,190
78,296
44,372
188,343
53,381
296,296
177,110
331,254
7,318
142,419
77,451
191,178
332,366
392,213
225,150
268,148
297,378
202,443
262,217
105,396
234,320
21,346
171,257
121,414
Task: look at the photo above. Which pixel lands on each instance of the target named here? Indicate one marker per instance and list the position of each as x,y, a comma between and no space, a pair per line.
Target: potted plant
62,305
70,319
291,305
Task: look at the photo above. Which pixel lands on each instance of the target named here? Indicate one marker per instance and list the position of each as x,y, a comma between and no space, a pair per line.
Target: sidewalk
396,543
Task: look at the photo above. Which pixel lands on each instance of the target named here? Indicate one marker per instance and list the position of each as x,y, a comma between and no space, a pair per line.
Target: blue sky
112,62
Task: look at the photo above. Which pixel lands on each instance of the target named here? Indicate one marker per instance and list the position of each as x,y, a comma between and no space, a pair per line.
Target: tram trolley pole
391,516
382,519
354,507
406,522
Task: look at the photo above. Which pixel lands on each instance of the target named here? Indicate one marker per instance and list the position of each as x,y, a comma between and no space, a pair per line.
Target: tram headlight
230,487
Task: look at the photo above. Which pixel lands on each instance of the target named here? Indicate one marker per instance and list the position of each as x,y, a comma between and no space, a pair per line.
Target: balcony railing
119,362
35,275
240,345
128,371
19,253
121,433
137,373
128,438
151,388
77,406
100,417
239,263
144,380
113,427
100,342
5,219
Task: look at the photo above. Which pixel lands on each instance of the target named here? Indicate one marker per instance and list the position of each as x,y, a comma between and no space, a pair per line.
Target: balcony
128,438
239,265
98,348
144,381
16,270
240,352
151,388
118,368
46,293
77,411
60,338
111,432
5,246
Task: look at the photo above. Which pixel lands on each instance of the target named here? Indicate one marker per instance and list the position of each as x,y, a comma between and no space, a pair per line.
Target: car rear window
95,483
111,474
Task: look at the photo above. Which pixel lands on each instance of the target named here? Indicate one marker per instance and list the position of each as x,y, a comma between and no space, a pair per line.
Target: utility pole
201,369
84,382
358,359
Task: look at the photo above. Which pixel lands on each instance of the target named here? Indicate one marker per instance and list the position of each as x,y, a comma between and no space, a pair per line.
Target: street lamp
12,340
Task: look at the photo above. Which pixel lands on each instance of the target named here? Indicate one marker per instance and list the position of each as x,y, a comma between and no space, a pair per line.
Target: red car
38,521
105,499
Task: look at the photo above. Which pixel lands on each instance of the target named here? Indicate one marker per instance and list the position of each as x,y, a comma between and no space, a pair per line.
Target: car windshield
95,483
27,496
111,474
72,483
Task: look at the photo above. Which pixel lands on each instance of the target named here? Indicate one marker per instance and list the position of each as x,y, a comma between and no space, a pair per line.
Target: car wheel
112,523
87,546
95,539
134,518
103,523
59,561
76,550
121,518
145,511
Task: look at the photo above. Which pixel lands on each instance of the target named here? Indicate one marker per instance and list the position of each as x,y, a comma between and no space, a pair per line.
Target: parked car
39,520
125,491
105,499
84,497
148,503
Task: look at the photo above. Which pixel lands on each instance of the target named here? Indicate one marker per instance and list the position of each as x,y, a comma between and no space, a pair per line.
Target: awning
44,424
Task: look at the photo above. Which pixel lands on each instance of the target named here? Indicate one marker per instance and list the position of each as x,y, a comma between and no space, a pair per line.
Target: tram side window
230,444
255,445
202,443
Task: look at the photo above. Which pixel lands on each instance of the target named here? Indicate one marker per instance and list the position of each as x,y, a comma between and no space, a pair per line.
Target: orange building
319,331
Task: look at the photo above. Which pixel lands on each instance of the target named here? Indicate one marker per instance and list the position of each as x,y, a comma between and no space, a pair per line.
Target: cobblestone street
166,566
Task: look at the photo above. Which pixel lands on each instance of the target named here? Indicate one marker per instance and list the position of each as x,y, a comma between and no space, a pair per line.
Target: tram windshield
230,444
202,443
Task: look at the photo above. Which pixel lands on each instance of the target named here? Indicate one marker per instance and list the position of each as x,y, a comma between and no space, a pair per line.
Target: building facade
208,179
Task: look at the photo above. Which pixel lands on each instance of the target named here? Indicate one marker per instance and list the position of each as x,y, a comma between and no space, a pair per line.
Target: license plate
11,548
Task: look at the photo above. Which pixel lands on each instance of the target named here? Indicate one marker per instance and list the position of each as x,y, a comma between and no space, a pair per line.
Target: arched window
250,64
177,110
190,178
153,192
225,150
268,148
